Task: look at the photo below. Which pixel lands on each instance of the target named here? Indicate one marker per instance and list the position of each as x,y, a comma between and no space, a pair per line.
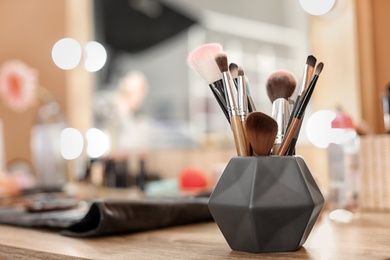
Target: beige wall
29,29
374,53
333,39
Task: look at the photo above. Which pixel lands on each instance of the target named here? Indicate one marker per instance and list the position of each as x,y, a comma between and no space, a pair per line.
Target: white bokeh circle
98,143
72,143
96,56
66,53
317,7
319,128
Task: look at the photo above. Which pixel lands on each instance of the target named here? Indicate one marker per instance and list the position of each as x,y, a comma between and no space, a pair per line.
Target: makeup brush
300,112
307,73
235,120
307,76
242,99
261,130
233,68
242,96
202,61
280,86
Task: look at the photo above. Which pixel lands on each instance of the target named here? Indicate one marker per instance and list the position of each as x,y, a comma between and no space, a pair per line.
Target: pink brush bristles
202,60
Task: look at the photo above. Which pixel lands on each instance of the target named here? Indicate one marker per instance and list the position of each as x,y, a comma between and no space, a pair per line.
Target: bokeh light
98,143
66,53
72,143
319,128
96,56
317,7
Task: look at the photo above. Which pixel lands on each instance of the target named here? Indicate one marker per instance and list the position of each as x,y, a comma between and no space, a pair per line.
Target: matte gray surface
266,204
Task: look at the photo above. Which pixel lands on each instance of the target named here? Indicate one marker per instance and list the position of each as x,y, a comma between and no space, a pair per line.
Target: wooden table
367,237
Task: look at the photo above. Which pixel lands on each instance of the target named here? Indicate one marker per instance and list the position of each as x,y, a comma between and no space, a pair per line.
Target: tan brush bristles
261,131
233,68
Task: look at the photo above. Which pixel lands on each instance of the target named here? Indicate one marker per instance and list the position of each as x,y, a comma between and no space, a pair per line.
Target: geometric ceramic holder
266,203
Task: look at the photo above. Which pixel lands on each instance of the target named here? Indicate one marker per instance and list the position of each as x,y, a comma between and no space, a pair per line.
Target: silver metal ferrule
242,98
230,94
280,112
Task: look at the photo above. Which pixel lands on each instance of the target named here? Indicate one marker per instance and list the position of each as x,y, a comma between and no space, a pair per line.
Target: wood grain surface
366,237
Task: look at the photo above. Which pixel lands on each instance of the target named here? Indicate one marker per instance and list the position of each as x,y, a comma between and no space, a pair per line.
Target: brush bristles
233,68
202,61
240,71
280,84
311,61
222,61
319,68
261,131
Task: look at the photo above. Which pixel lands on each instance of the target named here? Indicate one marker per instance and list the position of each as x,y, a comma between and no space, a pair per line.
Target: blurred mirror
146,96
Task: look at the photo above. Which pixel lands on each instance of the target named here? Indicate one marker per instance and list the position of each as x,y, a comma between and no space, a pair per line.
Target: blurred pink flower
18,83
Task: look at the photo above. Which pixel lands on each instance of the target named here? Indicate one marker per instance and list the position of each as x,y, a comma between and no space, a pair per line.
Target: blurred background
112,91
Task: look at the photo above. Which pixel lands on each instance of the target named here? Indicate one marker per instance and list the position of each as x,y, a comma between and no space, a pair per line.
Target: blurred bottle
343,160
50,166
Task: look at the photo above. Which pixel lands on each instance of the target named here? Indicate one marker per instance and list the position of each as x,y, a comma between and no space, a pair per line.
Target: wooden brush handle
275,148
247,144
239,136
289,136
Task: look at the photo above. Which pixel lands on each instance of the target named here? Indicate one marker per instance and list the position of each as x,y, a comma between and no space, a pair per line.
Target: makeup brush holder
266,203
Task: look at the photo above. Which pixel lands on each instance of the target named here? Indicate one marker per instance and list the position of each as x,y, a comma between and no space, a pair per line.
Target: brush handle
251,105
242,98
239,136
306,97
291,148
247,143
275,148
221,101
289,136
294,111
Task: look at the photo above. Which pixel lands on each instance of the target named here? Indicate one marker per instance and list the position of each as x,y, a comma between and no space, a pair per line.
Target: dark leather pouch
108,216
126,216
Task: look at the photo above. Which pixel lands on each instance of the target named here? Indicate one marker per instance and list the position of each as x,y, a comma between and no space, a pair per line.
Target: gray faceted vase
266,203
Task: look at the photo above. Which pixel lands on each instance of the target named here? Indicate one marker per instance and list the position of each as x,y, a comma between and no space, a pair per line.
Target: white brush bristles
202,60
